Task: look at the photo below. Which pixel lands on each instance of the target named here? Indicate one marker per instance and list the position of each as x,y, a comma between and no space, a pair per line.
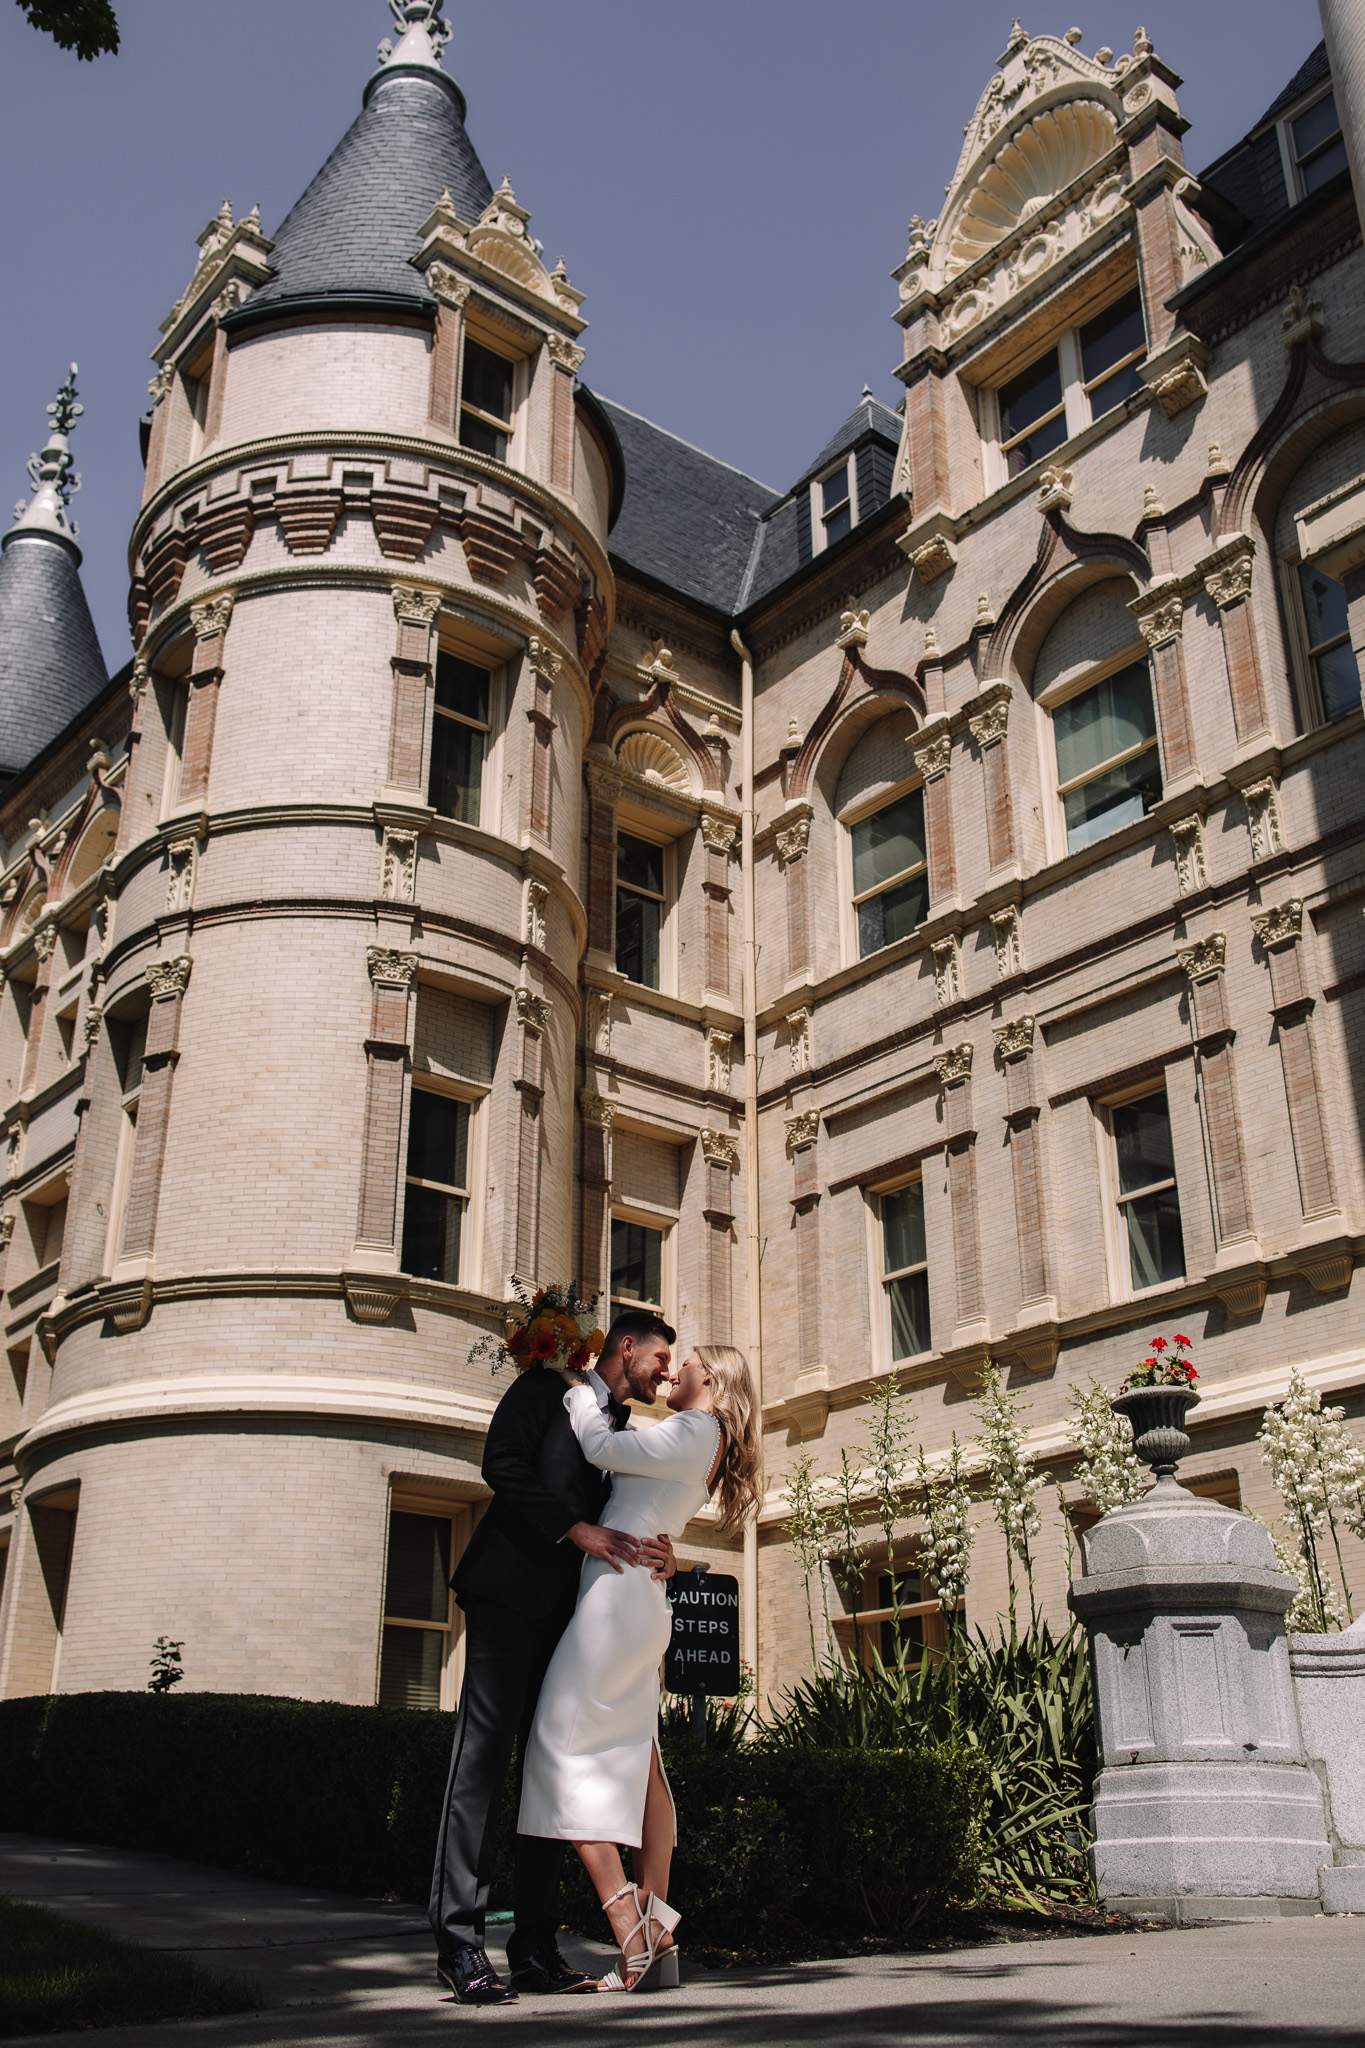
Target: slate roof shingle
50,660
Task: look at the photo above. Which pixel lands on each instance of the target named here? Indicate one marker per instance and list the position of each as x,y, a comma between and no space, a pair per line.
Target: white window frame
818,539
1075,396
404,1501
1047,703
1117,1257
472,1222
490,786
1307,688
665,1221
175,746
1295,189
630,826
853,815
879,1300
515,428
123,1157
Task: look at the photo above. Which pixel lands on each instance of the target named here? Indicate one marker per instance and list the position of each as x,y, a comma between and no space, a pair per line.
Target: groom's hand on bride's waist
657,1553
614,1545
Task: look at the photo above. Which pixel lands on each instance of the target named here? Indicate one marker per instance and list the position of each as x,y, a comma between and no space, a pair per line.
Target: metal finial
50,472
422,34
65,410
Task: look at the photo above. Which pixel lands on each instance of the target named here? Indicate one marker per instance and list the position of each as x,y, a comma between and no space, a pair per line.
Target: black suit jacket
542,1484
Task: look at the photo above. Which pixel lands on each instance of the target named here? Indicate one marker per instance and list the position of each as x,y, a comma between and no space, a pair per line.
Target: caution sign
704,1653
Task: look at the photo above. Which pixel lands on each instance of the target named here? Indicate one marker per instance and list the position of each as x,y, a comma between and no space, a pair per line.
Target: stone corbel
370,1297
928,542
1175,373
1264,823
947,954
1242,1289
1191,854
1036,1346
853,627
988,715
806,1408
1007,934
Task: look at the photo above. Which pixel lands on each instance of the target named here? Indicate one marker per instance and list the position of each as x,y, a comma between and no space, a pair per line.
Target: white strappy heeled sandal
641,1964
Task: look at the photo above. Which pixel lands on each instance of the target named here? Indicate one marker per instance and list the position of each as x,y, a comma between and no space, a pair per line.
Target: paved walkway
340,1972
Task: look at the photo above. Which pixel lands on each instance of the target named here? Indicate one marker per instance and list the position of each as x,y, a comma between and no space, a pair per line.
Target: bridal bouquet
555,1326
1159,1370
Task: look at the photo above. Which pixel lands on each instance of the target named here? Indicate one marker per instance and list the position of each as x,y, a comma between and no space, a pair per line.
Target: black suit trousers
505,1662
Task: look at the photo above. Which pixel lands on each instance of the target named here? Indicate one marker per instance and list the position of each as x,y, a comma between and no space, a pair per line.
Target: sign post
703,1656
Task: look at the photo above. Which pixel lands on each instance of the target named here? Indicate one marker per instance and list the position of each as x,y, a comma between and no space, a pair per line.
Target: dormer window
1313,147
1090,370
486,395
835,505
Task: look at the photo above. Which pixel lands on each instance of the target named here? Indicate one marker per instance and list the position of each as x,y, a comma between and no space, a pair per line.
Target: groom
517,1584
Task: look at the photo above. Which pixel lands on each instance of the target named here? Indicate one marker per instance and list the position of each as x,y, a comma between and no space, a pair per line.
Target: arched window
1092,679
880,804
1321,501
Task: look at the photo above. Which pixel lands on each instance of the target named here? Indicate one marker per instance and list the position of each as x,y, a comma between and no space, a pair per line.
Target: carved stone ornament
532,1010
169,977
597,1109
934,558
1191,855
793,839
543,660
947,970
990,723
371,1301
227,301
1262,800
1056,489
1183,384
1301,318
718,1044
398,865
211,619
853,627
933,757
718,834
162,383
802,1130
599,1023
137,681
1232,581
389,969
413,606
446,284
799,1040
1206,956
1013,1039
1279,924
181,864
563,353
45,941
953,1065
718,1148
604,784
1005,930
94,1018
6,1227
537,896
1163,622
985,614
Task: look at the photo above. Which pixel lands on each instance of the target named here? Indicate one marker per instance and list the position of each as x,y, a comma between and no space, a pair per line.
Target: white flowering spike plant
1318,1469
889,1461
1013,1484
946,1551
1108,1468
808,1520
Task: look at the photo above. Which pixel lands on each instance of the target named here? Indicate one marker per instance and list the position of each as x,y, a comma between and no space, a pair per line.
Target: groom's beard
640,1383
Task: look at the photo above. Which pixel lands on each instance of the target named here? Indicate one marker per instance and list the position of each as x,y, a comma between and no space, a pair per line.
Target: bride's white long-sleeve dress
587,1761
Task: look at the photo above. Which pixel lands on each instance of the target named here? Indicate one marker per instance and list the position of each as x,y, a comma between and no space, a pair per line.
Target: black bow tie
618,1412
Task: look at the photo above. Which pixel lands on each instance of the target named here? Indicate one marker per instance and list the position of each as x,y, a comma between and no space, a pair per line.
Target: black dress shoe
544,1969
469,1974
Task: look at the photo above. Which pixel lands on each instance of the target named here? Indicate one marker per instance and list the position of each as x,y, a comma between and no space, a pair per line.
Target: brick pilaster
415,612
1161,615
954,1070
201,713
443,390
718,837
544,665
721,1155
1280,932
99,1111
533,1016
933,750
988,722
566,360
387,1052
803,1133
1228,582
168,980
599,1113
1014,1045
1203,964
793,846
604,790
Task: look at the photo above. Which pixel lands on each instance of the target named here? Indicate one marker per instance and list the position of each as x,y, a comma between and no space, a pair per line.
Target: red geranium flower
1183,1342
1158,1343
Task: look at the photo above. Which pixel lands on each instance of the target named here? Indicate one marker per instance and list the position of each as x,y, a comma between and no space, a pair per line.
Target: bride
593,1774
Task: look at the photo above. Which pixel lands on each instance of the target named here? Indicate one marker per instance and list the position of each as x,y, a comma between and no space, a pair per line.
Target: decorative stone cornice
389,969
802,1130
1279,924
1013,1039
1232,579
413,606
718,1148
853,626
1206,956
169,977
564,354
718,834
597,1109
953,1065
211,619
532,1010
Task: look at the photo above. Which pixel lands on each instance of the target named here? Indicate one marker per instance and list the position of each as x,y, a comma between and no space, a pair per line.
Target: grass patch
57,1974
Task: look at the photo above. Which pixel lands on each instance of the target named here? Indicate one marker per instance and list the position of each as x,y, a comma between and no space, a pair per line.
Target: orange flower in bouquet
555,1326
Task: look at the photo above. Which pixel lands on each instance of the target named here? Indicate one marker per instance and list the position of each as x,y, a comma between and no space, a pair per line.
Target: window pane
456,781
1318,169
1316,125
909,1301
462,686
1119,796
431,1235
636,1262
1028,396
893,915
1339,680
410,1668
903,1228
1104,397
834,490
438,1138
1142,1139
1114,333
1036,445
888,842
1100,723
419,1567
910,1591
485,440
838,524
1324,605
487,381
1156,1249
640,864
639,920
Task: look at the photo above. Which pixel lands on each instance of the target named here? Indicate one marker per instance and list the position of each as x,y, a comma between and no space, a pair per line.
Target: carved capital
169,977
1231,580
413,606
45,941
1006,932
793,837
933,751
398,864
138,680
162,384
718,834
799,1040
532,1010
6,1228
597,1109
1013,1039
1206,956
211,619
94,1019
537,896
988,716
543,660
1056,489
1191,854
718,1044
563,353
853,625
718,1148
953,1065
802,1130
1279,924
947,954
227,301
1183,384
446,284
390,970
1162,621
1262,800
604,783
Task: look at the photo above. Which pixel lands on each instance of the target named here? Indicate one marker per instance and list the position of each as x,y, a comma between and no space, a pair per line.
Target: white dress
597,1721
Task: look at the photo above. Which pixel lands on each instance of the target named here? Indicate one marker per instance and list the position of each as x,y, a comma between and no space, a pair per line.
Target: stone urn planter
1157,1415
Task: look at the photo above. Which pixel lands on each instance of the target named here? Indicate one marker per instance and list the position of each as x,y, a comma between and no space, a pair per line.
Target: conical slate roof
351,237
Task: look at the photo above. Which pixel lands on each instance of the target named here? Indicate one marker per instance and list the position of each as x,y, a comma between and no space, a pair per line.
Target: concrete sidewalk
339,1972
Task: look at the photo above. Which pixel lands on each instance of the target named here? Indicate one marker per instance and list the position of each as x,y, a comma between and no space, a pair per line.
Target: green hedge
349,1797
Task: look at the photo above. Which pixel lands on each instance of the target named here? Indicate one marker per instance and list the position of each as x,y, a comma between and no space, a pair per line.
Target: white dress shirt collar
600,1390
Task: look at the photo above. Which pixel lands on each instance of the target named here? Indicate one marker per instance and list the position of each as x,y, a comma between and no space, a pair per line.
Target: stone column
933,757
793,846
201,713
392,976
604,790
718,837
1227,579
415,611
168,980
544,665
443,393
1279,928
954,1070
1161,615
988,721
533,1017
1213,1035
599,1113
1014,1048
721,1154
566,360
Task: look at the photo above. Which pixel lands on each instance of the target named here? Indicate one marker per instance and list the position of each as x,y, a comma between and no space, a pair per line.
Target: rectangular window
905,1272
486,401
128,1041
459,738
639,909
924,1628
836,504
1108,764
1330,653
637,1261
1112,346
437,1185
1148,1200
1091,369
890,873
1315,145
1032,413
418,1620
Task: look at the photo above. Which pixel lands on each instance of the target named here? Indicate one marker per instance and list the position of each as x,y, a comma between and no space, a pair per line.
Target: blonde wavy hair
739,1482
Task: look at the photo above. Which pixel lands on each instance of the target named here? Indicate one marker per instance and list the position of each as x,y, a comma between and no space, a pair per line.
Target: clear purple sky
729,182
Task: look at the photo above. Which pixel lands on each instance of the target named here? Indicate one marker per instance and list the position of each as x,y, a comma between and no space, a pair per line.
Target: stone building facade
908,919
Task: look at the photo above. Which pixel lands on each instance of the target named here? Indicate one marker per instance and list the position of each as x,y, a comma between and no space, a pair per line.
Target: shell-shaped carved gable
1040,160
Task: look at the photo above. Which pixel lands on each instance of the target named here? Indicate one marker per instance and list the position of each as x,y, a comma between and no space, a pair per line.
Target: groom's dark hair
641,1324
